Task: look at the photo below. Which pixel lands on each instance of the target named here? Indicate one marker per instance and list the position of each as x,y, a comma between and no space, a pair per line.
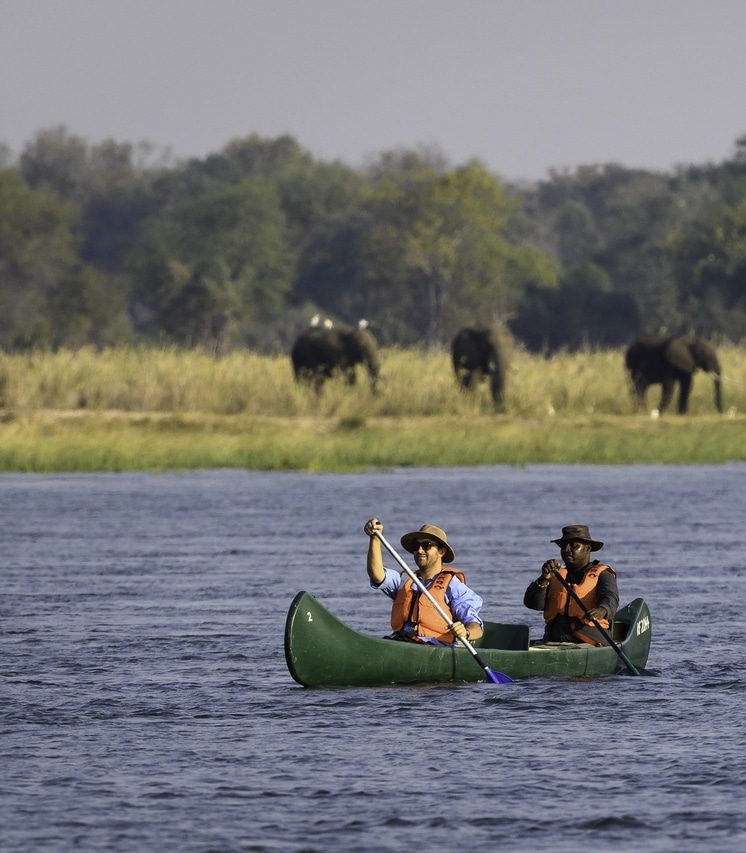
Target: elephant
324,350
655,360
477,353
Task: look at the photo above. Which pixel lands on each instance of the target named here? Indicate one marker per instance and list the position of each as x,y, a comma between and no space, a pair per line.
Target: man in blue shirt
413,617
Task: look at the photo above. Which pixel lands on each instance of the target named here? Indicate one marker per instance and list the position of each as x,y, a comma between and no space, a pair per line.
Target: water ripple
146,703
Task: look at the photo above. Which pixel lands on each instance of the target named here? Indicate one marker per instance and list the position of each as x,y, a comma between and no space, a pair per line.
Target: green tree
57,161
111,184
87,306
584,311
37,246
426,251
620,220
217,270
710,258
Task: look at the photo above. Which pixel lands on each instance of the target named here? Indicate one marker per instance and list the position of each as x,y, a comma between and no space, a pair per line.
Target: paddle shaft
446,618
571,592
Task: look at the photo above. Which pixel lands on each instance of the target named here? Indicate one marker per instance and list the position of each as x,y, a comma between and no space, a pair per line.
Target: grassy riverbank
104,441
164,409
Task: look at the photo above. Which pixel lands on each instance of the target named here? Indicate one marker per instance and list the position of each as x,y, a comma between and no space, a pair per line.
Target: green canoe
322,651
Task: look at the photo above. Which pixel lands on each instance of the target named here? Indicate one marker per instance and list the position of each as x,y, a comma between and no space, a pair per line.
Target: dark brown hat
428,531
581,533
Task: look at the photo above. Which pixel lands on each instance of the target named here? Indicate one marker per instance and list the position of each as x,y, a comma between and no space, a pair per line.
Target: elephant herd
481,353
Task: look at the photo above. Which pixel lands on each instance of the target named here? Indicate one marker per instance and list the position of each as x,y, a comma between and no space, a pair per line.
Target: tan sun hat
428,531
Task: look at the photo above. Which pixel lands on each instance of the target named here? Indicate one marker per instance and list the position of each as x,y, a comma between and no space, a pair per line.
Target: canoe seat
619,629
499,636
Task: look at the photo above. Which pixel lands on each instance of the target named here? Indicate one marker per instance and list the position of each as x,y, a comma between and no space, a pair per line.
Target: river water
145,703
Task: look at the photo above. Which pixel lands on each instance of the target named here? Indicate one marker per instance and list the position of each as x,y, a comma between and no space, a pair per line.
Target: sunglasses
425,544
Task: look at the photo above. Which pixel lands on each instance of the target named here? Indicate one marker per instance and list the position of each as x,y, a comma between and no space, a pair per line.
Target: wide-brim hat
428,531
581,533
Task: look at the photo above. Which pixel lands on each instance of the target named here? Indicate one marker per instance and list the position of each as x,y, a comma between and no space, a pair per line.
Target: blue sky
525,86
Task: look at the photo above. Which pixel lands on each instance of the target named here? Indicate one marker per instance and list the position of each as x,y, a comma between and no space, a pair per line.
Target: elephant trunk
497,387
717,382
373,366
712,366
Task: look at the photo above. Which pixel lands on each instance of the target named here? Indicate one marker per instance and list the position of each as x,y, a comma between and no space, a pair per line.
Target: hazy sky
524,85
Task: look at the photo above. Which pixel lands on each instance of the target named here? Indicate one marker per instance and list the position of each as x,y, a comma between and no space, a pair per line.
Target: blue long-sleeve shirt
463,602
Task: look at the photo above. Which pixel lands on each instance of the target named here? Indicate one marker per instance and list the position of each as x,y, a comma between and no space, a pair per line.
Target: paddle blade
653,673
498,677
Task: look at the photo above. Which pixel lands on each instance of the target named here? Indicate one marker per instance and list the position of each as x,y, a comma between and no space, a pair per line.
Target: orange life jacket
412,606
559,603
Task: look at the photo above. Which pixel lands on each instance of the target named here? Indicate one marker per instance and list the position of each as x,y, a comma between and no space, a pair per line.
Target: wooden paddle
496,677
633,670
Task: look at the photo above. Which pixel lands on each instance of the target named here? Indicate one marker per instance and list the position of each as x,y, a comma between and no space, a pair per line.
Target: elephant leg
666,394
318,382
306,375
685,386
639,387
496,388
465,381
464,378
718,394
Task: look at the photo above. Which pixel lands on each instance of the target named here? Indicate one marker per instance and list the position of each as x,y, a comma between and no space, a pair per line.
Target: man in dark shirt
594,582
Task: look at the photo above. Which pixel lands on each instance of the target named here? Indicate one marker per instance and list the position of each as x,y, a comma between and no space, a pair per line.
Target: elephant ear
504,342
678,354
705,356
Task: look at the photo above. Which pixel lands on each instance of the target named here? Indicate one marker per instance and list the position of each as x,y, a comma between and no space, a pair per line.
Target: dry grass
156,409
413,382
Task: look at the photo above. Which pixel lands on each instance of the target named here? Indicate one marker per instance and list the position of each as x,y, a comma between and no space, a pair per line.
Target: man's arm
608,594
535,597
376,572
465,605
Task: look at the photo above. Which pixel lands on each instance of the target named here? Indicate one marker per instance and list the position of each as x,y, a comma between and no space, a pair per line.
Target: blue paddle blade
498,677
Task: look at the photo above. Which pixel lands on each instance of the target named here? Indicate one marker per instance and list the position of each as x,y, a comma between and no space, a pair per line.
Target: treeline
106,245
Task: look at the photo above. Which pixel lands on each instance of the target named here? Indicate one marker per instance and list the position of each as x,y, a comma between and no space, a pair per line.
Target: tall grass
158,409
413,382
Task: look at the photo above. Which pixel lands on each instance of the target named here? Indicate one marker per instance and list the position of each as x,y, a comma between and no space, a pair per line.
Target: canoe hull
320,650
